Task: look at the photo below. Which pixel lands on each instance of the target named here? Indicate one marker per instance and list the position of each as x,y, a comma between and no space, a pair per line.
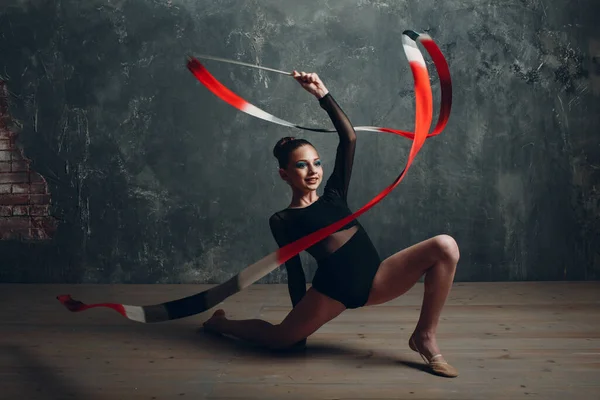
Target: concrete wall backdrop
137,174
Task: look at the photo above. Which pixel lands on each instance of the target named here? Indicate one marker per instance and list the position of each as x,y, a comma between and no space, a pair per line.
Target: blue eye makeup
303,164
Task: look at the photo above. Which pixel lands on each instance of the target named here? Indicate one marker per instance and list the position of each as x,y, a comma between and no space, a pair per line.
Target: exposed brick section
38,188
24,196
38,210
14,177
13,200
20,210
21,188
39,199
15,222
19,166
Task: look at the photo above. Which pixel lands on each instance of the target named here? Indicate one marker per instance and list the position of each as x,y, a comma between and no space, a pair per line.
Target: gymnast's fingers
301,78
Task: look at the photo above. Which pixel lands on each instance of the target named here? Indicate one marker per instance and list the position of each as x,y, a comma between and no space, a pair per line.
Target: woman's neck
303,199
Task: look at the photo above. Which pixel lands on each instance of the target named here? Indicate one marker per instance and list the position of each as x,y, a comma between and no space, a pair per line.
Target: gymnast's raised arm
339,180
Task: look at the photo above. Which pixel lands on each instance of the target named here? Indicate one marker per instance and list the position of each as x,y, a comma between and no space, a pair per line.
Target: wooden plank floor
508,340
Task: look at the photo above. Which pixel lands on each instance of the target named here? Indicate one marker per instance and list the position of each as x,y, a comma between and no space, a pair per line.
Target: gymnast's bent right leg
437,259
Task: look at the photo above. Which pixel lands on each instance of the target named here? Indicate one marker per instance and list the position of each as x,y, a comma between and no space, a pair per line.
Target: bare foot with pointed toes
214,323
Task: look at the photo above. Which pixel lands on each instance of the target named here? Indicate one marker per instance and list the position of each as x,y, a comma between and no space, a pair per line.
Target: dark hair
285,146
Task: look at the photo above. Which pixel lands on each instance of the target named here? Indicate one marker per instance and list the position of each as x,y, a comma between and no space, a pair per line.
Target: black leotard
347,260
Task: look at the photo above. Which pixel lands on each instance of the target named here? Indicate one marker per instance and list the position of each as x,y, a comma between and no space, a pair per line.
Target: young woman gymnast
350,273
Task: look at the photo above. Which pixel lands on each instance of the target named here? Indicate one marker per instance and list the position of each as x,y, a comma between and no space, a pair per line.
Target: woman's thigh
313,311
399,272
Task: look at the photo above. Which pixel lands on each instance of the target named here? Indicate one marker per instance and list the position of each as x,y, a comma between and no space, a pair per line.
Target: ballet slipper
441,368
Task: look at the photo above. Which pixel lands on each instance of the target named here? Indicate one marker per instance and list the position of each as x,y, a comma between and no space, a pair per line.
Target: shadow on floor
314,350
191,334
34,379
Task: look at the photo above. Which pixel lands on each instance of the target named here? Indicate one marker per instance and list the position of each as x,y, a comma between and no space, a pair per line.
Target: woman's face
304,170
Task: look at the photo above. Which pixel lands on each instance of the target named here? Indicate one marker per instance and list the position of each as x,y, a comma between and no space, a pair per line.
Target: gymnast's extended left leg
312,312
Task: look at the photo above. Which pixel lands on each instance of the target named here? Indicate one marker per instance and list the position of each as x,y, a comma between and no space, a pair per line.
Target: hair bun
285,140
280,145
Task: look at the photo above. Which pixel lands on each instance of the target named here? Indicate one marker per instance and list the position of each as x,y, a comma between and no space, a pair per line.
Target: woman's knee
448,248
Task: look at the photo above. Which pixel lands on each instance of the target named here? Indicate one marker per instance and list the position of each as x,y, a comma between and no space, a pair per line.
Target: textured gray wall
155,180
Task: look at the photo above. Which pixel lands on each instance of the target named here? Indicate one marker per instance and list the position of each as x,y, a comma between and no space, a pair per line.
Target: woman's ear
283,174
